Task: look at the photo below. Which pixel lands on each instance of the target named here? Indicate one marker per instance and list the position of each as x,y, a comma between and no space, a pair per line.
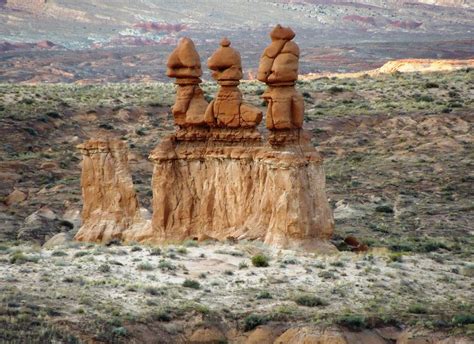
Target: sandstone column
279,70
228,109
110,205
189,108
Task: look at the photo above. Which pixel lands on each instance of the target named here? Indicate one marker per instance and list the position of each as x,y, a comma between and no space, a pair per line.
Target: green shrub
155,251
19,257
254,320
188,283
396,257
417,308
119,331
264,294
145,266
152,291
243,265
353,321
166,265
59,254
463,319
164,315
81,254
260,261
335,89
309,301
431,84
182,250
104,268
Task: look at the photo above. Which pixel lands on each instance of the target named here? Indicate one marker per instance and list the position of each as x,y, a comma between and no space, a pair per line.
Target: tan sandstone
279,70
110,205
184,65
15,197
242,190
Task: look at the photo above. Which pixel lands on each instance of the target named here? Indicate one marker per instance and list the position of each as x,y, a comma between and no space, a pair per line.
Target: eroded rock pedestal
244,190
110,205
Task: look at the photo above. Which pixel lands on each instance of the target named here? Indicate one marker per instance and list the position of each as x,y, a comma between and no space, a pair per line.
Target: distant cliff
401,66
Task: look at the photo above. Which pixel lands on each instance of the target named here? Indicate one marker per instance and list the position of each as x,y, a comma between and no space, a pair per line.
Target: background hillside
93,41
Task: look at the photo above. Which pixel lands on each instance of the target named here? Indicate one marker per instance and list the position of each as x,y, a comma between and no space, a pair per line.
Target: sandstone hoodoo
218,176
110,203
184,65
279,70
227,110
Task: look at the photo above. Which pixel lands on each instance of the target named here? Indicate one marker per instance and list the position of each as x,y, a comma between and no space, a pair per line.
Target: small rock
44,213
57,240
49,165
388,209
207,335
73,215
15,197
345,211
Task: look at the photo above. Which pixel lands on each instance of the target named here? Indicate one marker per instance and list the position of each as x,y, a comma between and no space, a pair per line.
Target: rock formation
279,70
217,177
184,65
110,205
227,110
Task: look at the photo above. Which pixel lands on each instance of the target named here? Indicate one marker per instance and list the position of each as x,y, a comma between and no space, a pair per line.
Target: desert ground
398,152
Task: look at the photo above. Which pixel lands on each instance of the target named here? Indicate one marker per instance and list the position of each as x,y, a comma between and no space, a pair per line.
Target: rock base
110,203
246,189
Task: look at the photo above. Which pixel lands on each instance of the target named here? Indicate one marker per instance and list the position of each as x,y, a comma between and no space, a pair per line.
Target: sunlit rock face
110,205
241,190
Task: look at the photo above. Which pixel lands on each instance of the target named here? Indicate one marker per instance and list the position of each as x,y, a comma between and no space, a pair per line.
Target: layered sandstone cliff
245,190
110,205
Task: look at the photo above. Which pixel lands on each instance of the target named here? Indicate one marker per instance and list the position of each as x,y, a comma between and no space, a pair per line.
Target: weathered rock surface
279,70
110,203
58,240
228,109
244,190
184,65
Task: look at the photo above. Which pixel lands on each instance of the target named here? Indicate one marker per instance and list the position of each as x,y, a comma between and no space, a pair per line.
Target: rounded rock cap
282,33
225,42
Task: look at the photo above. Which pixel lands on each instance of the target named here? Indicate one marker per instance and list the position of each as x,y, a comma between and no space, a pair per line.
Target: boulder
15,197
59,239
42,225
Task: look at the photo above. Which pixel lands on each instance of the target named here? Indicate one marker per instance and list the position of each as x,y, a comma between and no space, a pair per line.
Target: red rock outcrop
110,205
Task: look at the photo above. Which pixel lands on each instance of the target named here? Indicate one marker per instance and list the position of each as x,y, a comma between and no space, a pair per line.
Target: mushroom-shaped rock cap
184,61
225,62
282,33
224,57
